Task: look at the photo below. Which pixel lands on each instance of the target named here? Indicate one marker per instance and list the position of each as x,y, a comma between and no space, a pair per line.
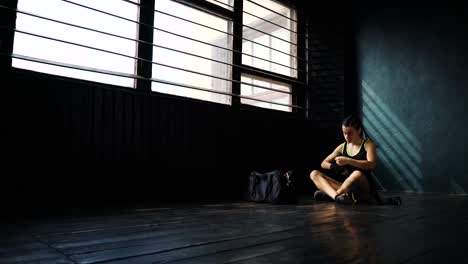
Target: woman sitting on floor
347,179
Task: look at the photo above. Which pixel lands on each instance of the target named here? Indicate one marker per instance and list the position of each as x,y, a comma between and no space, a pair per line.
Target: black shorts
342,178
336,177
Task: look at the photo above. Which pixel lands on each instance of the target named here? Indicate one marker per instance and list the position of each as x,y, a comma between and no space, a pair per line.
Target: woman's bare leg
325,183
356,182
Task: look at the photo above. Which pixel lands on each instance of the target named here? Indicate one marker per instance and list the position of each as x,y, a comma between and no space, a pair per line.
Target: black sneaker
321,196
346,198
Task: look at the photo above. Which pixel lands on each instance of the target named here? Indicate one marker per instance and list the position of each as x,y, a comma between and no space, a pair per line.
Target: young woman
348,177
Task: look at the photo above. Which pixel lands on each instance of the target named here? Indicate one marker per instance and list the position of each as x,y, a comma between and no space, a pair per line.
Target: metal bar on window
126,75
237,36
140,59
207,6
110,14
251,14
273,11
223,3
234,35
270,35
175,34
297,22
292,31
295,32
155,45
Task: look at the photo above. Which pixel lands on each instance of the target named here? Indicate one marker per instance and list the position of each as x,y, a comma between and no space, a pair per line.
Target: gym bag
275,187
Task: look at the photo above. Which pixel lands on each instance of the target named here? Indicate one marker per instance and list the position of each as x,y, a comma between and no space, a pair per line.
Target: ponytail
365,135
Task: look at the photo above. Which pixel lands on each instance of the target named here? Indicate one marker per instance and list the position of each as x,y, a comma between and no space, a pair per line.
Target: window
27,44
193,42
269,43
200,56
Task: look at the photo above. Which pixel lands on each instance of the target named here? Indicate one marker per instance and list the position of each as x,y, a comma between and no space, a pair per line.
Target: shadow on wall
399,151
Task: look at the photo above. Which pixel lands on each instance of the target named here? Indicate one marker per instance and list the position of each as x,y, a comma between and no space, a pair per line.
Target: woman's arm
326,163
368,164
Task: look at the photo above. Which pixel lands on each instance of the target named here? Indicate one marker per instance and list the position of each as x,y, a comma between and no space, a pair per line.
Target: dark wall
80,142
413,65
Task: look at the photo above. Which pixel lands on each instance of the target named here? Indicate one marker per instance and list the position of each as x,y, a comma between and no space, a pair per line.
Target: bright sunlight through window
203,42
46,49
279,95
271,28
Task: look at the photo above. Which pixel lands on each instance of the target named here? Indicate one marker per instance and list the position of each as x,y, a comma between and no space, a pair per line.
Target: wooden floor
427,228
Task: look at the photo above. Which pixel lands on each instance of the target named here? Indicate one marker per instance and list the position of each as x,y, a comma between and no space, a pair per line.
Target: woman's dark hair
355,121
352,121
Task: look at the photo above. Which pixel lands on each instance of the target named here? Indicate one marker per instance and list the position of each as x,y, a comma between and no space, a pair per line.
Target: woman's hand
342,160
